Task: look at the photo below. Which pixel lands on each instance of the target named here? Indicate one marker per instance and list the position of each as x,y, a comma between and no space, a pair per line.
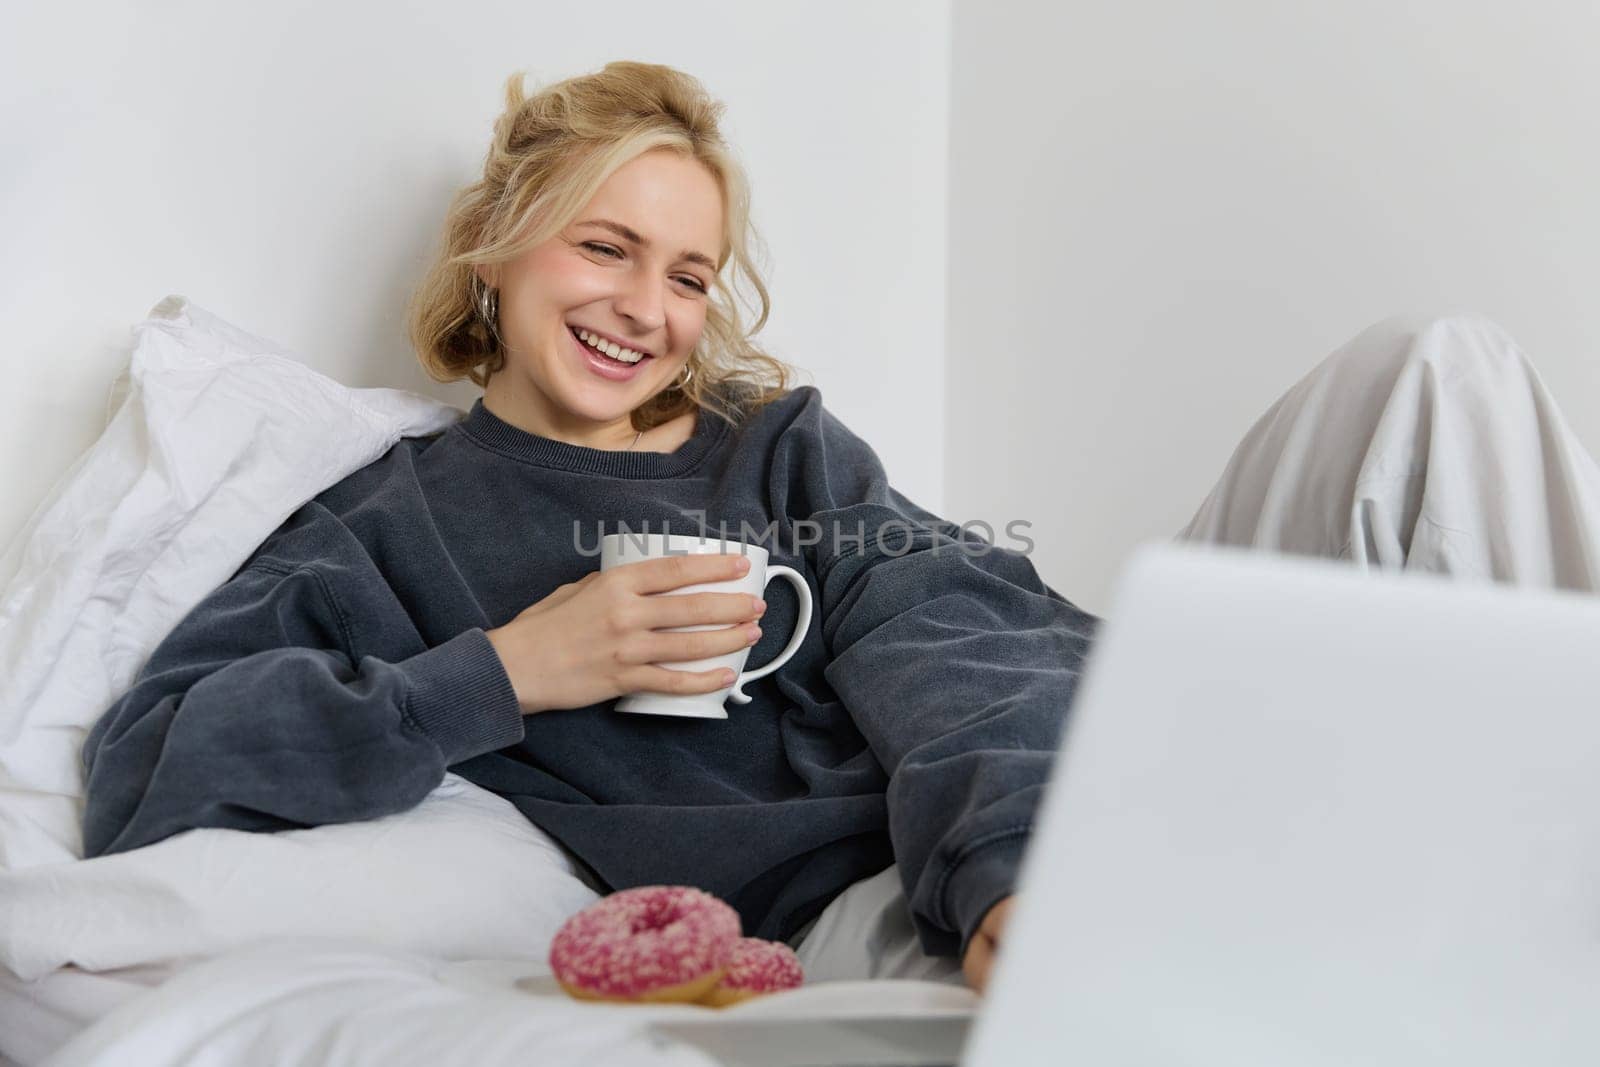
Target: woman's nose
642,300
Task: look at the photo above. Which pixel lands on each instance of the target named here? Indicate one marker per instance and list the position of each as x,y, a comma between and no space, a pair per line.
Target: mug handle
803,624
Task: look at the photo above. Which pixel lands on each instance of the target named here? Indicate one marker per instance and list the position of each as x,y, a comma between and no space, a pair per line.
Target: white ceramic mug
616,549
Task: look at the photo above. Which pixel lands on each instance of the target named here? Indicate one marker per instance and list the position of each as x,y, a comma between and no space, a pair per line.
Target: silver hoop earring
687,377
489,310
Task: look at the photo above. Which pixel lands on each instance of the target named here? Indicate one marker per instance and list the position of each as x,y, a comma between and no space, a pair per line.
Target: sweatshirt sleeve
957,663
252,714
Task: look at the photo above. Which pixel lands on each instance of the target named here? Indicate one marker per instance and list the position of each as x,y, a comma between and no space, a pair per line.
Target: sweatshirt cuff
461,697
981,879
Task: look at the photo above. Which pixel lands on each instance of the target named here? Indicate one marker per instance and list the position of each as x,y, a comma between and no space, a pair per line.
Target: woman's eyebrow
623,231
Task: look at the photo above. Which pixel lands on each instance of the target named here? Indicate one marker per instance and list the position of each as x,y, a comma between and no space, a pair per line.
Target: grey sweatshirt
344,667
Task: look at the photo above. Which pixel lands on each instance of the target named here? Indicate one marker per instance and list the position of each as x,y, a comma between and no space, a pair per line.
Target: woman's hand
981,950
595,638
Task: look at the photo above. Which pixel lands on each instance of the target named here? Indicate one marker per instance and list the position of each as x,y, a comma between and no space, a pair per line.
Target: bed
414,938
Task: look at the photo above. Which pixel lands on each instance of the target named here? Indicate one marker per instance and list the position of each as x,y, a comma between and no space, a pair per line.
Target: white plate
887,1022
879,998
859,1041
884,1022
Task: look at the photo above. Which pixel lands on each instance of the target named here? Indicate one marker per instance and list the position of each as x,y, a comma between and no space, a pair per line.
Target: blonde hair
549,154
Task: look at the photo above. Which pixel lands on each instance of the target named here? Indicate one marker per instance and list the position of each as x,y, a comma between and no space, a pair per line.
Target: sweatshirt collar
490,430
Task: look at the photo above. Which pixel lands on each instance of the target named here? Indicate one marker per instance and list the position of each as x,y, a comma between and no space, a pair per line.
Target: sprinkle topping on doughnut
762,966
643,939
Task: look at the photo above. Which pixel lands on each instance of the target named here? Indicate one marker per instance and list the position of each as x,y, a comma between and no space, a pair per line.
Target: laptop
1309,814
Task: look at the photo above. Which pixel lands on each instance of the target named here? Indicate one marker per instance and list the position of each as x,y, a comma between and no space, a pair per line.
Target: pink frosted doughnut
654,942
757,967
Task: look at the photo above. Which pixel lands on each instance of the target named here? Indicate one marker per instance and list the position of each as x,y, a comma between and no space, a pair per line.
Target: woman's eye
612,253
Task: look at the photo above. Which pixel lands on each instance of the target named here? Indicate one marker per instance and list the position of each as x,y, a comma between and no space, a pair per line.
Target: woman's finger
976,963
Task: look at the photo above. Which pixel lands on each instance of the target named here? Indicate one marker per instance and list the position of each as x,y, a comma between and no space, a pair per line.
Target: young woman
442,607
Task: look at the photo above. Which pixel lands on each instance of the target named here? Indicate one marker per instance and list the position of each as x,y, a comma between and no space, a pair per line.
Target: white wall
287,166
1164,213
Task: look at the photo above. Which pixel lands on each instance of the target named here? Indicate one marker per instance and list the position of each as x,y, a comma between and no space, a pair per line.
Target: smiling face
632,270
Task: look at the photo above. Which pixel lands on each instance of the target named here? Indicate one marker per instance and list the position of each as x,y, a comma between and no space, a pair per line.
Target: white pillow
221,436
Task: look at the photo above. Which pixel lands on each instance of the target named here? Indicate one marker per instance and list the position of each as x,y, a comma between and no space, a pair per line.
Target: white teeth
615,351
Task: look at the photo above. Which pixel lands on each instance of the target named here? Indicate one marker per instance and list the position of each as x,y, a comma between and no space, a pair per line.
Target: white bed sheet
40,1016
316,1001
870,997
305,1001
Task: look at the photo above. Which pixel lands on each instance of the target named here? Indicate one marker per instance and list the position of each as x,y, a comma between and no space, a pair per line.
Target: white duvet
311,1002
320,1002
